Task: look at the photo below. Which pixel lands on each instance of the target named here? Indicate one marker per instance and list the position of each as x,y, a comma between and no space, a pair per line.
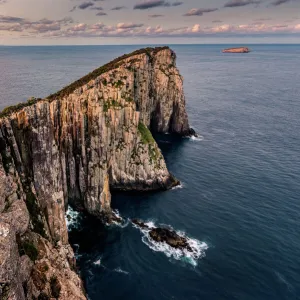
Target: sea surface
239,203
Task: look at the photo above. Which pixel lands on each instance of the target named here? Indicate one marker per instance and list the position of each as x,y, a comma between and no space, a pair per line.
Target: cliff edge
74,147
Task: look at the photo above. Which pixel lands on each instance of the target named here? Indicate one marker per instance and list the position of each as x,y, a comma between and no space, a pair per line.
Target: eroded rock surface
74,148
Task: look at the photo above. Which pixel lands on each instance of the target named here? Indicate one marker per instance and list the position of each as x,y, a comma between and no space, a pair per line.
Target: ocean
239,202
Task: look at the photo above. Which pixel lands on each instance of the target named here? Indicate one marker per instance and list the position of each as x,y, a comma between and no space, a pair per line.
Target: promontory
73,148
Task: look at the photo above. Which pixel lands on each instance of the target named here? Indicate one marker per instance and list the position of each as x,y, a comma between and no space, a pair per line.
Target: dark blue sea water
240,198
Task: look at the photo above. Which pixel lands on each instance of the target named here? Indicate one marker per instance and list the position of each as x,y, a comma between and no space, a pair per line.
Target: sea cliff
74,148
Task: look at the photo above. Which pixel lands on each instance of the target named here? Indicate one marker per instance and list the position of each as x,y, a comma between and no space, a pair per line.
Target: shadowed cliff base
74,147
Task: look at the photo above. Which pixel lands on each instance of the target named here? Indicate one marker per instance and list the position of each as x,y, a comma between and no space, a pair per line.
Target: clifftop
150,52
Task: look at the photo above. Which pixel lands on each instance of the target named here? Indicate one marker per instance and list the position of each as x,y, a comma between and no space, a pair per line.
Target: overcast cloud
54,22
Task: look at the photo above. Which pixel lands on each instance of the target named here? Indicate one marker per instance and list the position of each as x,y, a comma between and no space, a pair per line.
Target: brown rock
170,237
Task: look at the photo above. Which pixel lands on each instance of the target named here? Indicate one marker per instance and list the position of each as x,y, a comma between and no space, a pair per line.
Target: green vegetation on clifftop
82,81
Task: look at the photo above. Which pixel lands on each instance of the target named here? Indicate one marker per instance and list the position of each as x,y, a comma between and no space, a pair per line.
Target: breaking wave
198,247
198,138
97,262
122,224
119,270
180,186
72,218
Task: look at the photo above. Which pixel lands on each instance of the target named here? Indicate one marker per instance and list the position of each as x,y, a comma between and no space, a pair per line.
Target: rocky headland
73,148
237,50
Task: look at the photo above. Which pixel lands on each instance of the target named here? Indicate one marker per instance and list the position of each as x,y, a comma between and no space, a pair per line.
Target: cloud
263,19
177,3
118,8
101,13
217,21
238,3
8,19
279,2
128,25
85,5
96,8
139,30
65,28
199,11
155,16
151,4
41,26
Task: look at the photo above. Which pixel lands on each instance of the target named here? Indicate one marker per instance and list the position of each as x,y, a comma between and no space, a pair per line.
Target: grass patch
118,84
111,104
146,136
11,109
129,99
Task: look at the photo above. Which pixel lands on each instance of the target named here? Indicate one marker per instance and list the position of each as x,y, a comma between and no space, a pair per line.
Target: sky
97,22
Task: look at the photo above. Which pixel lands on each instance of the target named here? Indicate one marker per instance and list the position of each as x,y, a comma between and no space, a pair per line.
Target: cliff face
75,147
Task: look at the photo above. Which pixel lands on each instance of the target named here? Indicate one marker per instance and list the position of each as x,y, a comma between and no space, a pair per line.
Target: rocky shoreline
74,148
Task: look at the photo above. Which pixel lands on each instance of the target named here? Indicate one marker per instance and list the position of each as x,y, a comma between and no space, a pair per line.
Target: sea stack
75,147
237,50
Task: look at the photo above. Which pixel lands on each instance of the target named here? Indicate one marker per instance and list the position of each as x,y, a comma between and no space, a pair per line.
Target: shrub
30,250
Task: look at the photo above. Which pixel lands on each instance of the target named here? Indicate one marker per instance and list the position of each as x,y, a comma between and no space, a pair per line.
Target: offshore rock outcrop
74,147
165,235
237,50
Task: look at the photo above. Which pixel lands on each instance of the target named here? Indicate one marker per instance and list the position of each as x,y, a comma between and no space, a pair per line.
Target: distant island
237,50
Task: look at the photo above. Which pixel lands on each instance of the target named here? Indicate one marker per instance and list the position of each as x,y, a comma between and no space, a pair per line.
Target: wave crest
72,218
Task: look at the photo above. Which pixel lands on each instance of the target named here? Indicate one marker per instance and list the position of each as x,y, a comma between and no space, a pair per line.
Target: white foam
121,224
119,270
191,257
97,262
198,138
150,224
72,218
180,186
